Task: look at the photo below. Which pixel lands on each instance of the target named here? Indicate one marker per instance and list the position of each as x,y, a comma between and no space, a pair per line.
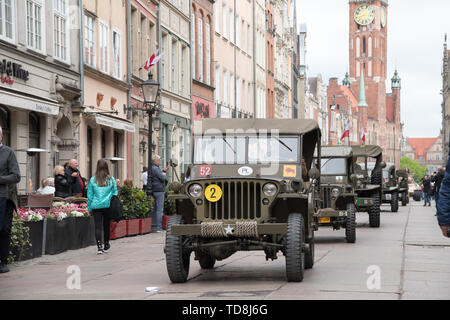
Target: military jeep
403,190
369,186
337,191
253,186
390,188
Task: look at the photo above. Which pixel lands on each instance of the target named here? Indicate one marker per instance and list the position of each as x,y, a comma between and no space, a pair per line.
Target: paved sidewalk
426,269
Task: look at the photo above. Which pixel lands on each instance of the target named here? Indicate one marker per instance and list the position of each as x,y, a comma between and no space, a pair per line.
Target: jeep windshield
333,167
251,150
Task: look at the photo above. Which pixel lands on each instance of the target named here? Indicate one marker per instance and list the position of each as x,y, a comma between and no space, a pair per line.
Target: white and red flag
363,136
153,60
346,133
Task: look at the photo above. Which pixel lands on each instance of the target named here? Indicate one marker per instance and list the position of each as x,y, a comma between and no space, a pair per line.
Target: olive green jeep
252,186
369,185
338,196
390,188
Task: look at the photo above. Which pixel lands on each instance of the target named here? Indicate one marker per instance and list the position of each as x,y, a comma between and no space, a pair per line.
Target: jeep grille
326,197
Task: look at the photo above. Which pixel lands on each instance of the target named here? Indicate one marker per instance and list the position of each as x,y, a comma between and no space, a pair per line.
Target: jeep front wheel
295,255
177,256
404,199
350,226
394,201
374,211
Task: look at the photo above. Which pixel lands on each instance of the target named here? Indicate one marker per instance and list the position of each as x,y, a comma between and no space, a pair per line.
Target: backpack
115,209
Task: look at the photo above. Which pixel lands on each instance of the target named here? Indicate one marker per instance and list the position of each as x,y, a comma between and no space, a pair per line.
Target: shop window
116,154
33,136
6,125
89,152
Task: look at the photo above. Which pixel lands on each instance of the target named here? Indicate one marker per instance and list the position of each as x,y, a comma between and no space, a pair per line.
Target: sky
416,31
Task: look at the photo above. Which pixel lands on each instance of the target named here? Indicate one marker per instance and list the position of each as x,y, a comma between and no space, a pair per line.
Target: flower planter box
118,229
145,226
80,232
36,235
58,235
133,227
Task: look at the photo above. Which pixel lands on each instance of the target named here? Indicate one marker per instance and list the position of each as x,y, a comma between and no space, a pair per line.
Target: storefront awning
32,104
114,123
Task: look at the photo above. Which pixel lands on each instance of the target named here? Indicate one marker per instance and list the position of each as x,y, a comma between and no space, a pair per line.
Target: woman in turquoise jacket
101,188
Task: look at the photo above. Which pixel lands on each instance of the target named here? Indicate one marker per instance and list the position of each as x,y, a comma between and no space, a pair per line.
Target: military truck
253,186
403,190
369,186
338,196
390,188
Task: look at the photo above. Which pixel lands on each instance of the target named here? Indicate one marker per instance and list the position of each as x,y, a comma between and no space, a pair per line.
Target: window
35,25
225,88
89,40
117,55
143,48
238,94
5,124
60,30
238,30
104,46
208,53
34,142
249,40
224,21
231,90
217,16
183,53
200,48
7,23
163,62
174,48
193,42
89,151
217,79
231,26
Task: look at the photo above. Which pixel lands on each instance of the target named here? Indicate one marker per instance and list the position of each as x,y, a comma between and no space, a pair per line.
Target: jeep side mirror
173,162
314,173
383,164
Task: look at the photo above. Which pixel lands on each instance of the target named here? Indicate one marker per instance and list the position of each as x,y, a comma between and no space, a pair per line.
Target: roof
421,146
284,126
367,150
336,152
350,94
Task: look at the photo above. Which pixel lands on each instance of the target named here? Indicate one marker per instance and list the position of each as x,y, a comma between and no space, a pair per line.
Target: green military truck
369,185
390,188
253,186
337,177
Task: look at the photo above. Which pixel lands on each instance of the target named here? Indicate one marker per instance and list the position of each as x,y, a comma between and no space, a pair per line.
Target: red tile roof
420,146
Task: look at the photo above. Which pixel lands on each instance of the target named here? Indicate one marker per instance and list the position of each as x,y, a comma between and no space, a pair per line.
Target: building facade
426,151
270,61
445,101
40,87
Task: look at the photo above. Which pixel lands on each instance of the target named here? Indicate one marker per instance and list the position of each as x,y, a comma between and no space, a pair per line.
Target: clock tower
368,53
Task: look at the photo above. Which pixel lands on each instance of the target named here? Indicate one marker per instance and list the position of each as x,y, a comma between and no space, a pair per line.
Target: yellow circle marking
213,193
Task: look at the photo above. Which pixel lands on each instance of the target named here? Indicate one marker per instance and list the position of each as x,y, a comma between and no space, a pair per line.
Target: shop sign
9,70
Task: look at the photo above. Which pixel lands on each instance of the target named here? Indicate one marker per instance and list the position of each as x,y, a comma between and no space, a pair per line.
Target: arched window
370,46
34,142
358,47
6,125
364,45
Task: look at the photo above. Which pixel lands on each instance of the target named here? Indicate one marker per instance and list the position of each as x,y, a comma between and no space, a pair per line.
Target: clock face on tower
364,15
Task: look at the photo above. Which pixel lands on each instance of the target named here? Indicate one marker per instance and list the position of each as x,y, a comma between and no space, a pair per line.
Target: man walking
159,181
426,184
9,177
74,178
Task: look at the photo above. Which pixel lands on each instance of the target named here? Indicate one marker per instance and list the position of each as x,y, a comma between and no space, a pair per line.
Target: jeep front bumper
229,229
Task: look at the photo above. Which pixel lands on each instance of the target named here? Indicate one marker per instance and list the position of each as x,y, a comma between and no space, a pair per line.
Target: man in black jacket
9,175
159,181
73,175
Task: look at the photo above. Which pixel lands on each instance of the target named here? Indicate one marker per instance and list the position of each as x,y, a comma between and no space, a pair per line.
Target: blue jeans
427,198
159,209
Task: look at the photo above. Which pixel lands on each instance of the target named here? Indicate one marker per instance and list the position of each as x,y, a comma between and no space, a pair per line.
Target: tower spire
362,92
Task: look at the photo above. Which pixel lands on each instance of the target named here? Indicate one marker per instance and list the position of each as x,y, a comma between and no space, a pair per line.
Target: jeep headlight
195,190
270,189
335,192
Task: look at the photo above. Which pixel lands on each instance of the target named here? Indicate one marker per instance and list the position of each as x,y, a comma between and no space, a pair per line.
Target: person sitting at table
62,186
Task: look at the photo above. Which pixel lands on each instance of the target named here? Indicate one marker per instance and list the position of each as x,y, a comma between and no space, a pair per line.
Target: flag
346,132
363,136
153,60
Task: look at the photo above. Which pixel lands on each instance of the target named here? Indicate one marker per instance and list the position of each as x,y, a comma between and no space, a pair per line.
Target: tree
414,167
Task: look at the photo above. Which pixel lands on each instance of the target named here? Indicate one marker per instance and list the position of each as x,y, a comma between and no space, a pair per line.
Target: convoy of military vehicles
268,185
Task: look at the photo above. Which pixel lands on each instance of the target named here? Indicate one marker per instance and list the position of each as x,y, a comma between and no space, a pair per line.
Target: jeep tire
404,199
394,201
206,261
374,211
350,225
309,254
295,255
177,257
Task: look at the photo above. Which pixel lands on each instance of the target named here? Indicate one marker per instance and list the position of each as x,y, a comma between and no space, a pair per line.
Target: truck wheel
206,261
376,177
350,226
404,199
309,254
295,256
177,257
394,201
374,211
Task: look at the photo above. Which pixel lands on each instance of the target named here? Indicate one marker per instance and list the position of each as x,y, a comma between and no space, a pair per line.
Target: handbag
115,209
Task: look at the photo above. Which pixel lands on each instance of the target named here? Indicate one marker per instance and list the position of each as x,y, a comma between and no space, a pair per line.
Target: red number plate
204,171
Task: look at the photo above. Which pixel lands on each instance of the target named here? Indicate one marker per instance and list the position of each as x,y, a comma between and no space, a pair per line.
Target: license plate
325,220
388,197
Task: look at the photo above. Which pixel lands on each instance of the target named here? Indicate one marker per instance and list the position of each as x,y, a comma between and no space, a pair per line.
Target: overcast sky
416,30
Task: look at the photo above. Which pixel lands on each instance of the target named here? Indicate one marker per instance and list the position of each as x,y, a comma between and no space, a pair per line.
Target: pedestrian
437,179
48,186
128,183
159,182
9,177
102,187
144,178
443,202
426,184
62,185
73,175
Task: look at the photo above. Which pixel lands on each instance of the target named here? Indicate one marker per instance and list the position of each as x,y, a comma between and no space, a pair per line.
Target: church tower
368,53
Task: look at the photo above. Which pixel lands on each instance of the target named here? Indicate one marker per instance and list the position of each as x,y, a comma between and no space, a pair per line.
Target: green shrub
20,239
135,203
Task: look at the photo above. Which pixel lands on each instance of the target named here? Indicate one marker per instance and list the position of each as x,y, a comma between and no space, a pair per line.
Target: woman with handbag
101,188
